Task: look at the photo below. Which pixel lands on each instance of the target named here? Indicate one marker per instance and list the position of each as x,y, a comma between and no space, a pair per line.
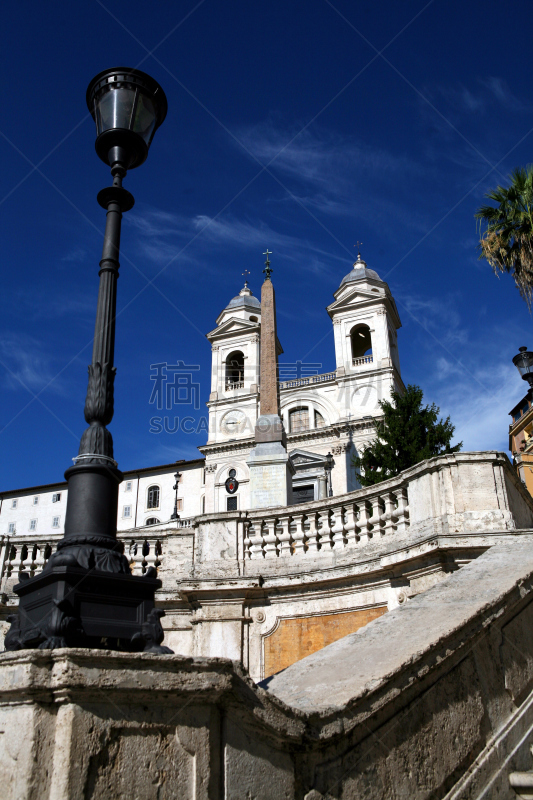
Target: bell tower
235,346
365,322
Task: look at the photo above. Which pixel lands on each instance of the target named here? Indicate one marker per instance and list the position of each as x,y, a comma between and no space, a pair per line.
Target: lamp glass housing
524,363
127,106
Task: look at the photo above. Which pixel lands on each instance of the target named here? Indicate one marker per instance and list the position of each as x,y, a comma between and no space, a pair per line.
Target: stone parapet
431,700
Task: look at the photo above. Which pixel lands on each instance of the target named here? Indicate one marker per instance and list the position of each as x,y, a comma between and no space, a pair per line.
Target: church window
153,497
152,521
235,370
203,504
319,420
361,342
299,419
231,503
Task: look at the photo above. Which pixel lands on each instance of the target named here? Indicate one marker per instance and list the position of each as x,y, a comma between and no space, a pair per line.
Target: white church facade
328,418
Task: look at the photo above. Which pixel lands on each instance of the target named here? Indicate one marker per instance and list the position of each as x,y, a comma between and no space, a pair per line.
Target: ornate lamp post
86,595
175,514
524,364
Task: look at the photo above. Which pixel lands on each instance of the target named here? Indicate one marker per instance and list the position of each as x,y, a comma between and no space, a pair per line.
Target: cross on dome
359,260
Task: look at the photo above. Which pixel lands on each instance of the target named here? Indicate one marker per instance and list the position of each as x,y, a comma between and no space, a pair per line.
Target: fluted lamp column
86,595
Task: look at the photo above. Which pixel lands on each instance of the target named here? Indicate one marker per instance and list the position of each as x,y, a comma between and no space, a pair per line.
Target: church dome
244,299
360,271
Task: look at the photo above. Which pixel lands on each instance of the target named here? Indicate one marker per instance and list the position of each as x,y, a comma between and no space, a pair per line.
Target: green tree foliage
507,238
406,435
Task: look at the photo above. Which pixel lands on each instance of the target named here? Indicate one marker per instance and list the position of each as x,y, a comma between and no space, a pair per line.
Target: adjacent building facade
332,413
521,440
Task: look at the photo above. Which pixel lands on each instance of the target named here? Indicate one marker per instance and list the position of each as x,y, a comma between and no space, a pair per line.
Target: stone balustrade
234,385
349,522
362,360
313,379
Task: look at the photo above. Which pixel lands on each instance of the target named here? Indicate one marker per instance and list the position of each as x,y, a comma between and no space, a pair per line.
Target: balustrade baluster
270,538
350,524
24,560
364,523
247,541
135,556
39,560
312,534
324,531
298,535
337,530
151,559
284,535
388,517
402,510
256,548
375,519
10,561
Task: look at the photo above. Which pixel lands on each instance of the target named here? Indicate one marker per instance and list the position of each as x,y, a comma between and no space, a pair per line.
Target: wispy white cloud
27,367
339,175
75,256
502,94
163,237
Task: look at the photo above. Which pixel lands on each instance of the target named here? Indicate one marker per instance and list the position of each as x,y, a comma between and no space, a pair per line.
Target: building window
235,370
56,498
55,522
152,521
153,497
299,420
36,501
361,341
204,472
126,512
11,527
231,503
319,420
33,524
14,503
128,486
203,504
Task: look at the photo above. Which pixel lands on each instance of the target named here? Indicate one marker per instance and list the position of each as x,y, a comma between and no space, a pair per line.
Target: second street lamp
523,361
175,514
86,595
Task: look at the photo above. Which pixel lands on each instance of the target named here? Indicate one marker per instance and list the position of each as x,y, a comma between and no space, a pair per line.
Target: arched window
152,521
361,342
299,419
235,370
319,420
153,497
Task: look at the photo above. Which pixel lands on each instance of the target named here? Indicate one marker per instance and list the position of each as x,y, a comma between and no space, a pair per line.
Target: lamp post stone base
73,607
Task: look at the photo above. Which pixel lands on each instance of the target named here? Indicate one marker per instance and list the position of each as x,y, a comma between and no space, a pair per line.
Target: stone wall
432,700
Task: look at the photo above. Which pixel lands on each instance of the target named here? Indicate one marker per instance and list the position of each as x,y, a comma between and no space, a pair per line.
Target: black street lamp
524,364
86,595
175,514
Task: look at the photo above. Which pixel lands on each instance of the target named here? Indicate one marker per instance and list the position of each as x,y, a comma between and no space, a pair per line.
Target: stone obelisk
270,467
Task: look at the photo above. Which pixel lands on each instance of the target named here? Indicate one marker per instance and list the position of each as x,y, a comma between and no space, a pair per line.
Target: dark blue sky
301,126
